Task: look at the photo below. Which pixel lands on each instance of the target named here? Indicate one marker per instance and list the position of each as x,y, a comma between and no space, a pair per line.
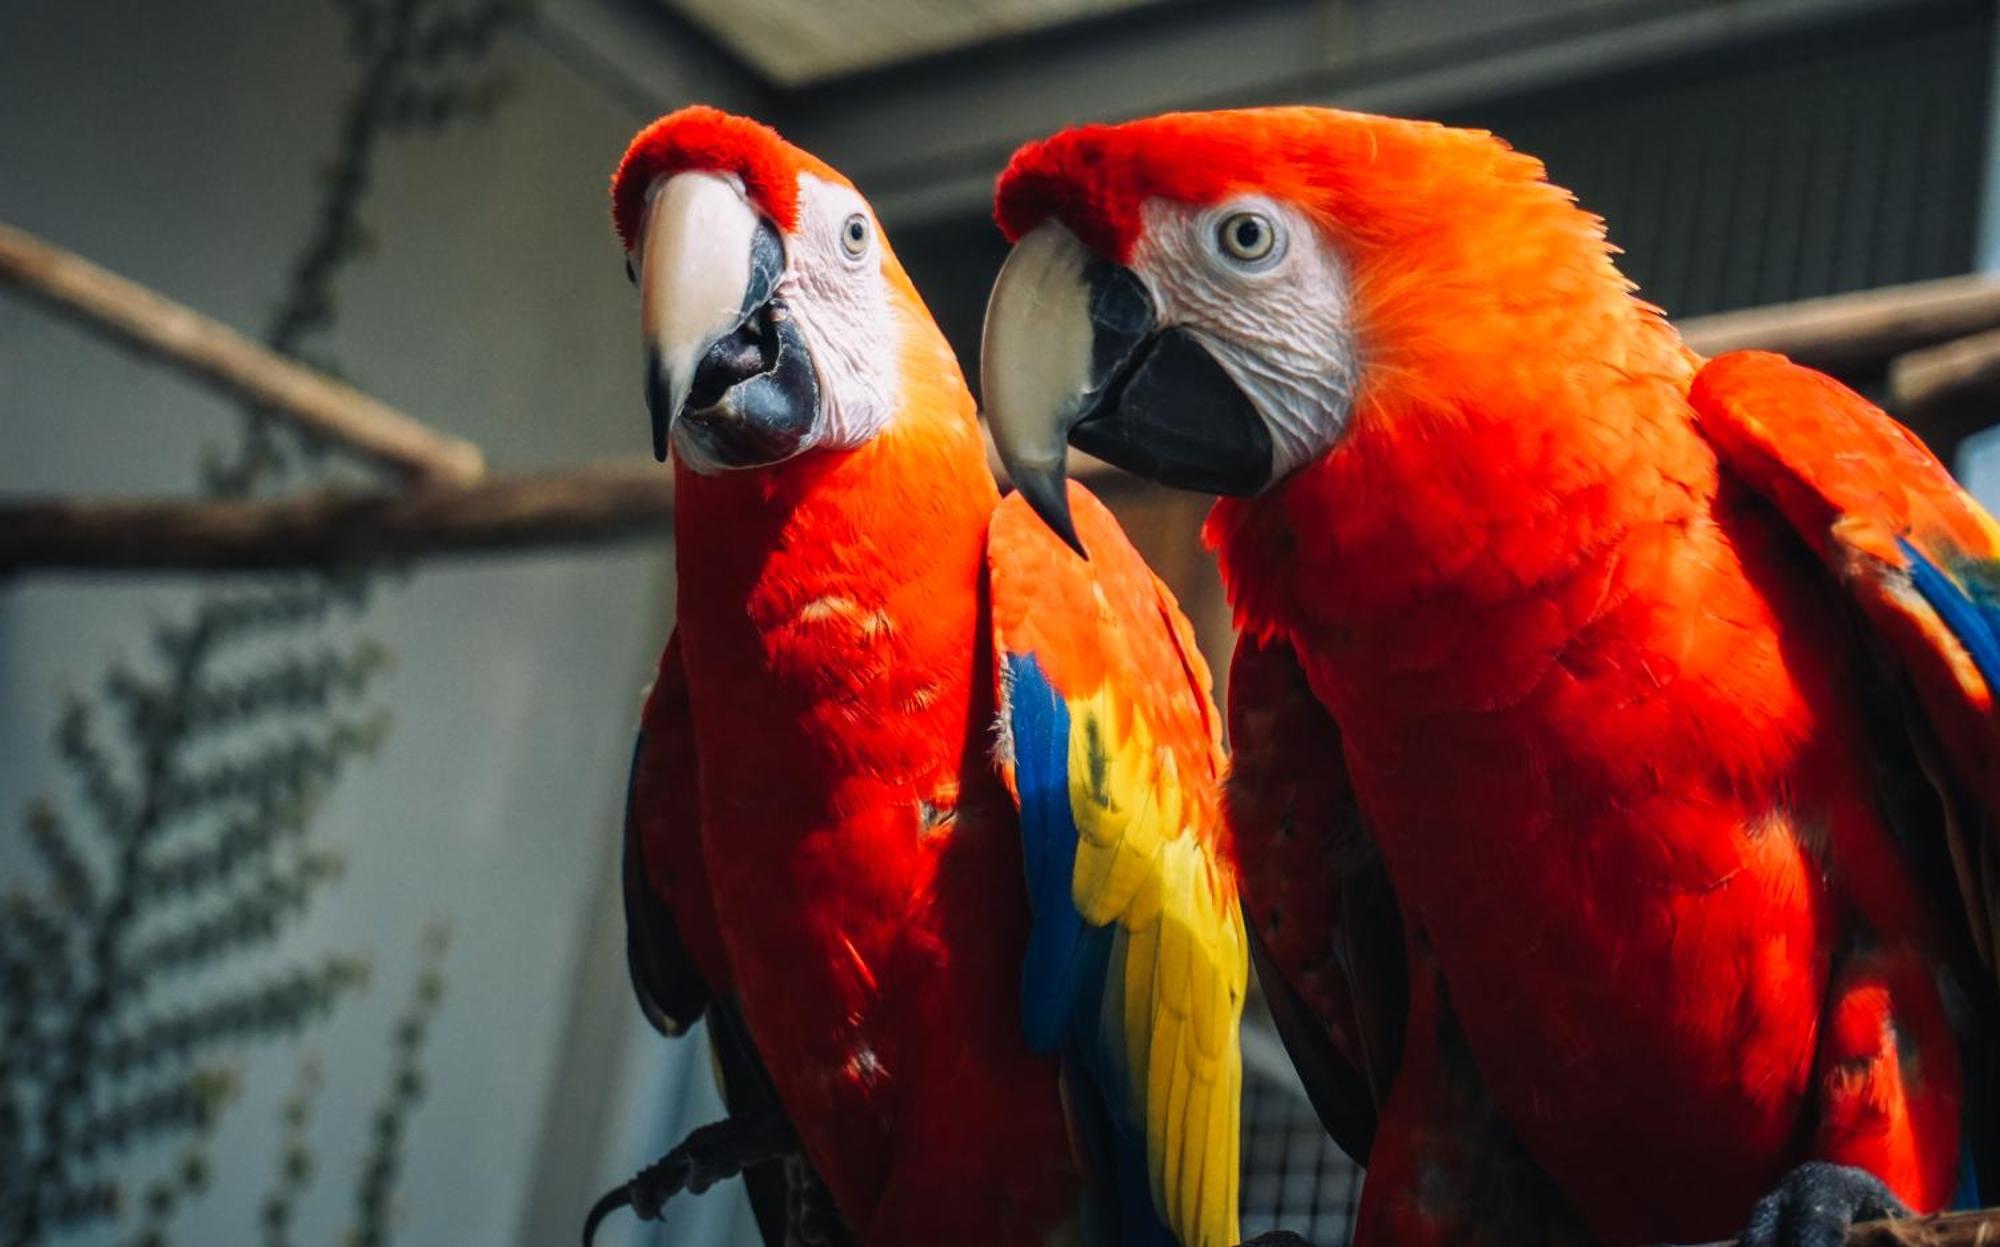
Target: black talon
711,1153
609,1202
1816,1203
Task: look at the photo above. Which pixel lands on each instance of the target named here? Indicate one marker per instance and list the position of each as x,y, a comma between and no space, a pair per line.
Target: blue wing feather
1068,961
1051,972
1976,624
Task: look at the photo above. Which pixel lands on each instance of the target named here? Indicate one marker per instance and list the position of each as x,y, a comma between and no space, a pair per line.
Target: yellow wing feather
1143,763
1141,864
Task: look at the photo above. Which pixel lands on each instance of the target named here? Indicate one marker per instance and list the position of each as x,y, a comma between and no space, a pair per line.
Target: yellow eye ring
1247,236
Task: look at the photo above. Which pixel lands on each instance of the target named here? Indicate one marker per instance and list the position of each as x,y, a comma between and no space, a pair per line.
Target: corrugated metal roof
795,42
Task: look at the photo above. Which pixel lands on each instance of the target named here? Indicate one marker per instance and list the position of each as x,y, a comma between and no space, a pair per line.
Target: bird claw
710,1154
1277,1238
1816,1203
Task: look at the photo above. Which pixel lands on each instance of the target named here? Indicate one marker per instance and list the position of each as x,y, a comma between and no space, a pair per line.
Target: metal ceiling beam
926,139
647,58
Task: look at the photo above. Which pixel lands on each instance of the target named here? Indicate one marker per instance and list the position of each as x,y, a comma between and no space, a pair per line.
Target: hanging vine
186,839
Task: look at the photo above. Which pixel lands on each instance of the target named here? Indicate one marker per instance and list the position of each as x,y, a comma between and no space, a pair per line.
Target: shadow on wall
177,919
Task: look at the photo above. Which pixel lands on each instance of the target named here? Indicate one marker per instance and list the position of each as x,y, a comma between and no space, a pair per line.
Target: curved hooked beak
1073,353
728,374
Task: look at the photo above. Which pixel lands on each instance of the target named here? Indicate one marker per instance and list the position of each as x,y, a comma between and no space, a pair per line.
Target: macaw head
1216,300
776,319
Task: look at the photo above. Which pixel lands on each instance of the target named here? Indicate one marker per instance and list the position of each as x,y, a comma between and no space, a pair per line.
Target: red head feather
1458,253
700,137
1360,174
1482,300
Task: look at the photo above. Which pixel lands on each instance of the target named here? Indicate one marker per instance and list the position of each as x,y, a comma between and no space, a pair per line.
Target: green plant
188,837
373,1208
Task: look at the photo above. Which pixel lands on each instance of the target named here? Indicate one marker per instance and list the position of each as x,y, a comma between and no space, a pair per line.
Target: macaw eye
631,274
1247,236
854,236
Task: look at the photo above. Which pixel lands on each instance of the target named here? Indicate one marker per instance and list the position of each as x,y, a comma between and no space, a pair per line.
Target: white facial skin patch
1279,324
844,306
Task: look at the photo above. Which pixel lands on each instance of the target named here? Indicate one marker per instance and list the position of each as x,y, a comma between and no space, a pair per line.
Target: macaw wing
1325,932
665,884
1137,965
1917,556
673,947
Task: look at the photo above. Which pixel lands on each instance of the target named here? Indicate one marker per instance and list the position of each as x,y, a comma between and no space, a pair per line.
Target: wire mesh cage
1295,1177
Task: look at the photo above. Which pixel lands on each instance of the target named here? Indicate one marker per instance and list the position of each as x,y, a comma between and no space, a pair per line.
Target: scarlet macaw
1616,760
923,802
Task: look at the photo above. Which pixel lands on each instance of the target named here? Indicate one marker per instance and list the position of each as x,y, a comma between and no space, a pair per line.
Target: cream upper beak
1035,352
694,267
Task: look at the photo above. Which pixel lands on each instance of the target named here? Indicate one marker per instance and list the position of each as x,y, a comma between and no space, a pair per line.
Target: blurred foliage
296,1164
187,847
373,1195
375,1186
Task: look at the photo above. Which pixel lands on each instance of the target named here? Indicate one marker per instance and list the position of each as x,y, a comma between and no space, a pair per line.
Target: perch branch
612,501
1935,374
211,351
1951,1229
593,504
625,500
1849,334
1948,392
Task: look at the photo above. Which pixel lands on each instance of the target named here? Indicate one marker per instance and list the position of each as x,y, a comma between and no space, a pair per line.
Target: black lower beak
1154,401
659,404
1174,415
754,399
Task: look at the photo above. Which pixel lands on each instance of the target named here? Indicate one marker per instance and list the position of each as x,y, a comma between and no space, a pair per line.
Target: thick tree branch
1948,392
1855,334
1848,333
594,504
619,500
1951,1229
211,351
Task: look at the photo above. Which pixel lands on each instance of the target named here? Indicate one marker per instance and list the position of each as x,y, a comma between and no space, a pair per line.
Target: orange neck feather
839,592
1519,414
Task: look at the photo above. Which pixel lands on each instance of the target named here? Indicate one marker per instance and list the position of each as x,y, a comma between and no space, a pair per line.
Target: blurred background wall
1747,152
183,146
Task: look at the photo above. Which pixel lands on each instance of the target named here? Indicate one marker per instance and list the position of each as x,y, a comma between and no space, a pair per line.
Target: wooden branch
1851,334
211,351
1934,374
1947,393
614,501
1957,1229
604,503
1951,1229
625,500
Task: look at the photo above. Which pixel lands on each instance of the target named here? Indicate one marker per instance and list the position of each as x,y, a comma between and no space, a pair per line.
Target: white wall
178,144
